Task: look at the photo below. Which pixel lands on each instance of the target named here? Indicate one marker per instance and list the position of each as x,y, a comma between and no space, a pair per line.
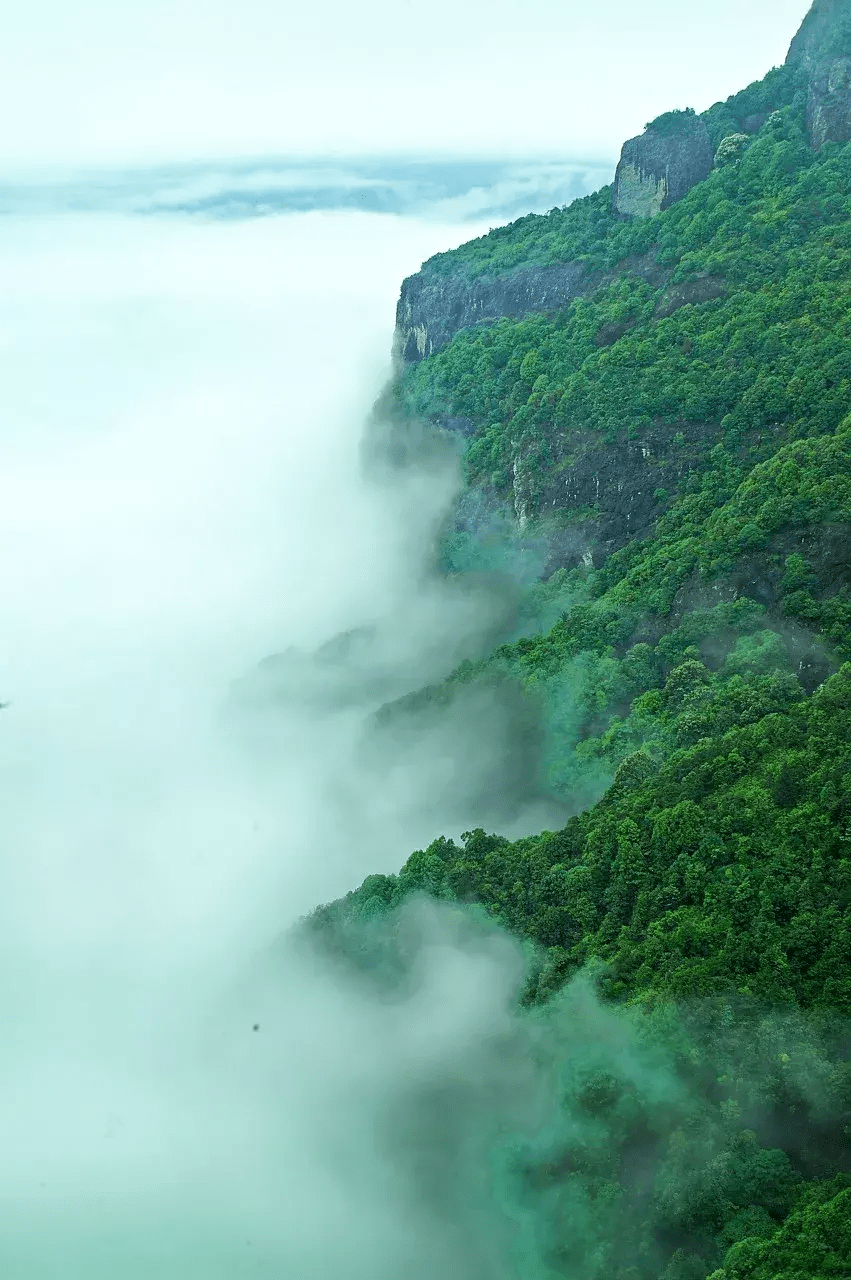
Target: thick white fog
98,81
182,409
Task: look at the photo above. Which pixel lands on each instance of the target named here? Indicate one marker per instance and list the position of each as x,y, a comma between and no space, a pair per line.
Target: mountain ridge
656,169
678,438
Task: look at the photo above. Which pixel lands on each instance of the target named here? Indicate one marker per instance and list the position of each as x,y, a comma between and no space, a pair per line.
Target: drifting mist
181,431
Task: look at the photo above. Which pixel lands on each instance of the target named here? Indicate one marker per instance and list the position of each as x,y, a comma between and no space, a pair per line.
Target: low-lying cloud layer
447,189
181,426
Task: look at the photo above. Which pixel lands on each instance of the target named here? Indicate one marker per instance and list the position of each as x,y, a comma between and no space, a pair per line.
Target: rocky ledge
655,170
433,308
662,165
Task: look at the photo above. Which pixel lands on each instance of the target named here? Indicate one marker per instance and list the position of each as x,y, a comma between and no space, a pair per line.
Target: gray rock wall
620,480
816,32
822,48
660,167
829,104
433,308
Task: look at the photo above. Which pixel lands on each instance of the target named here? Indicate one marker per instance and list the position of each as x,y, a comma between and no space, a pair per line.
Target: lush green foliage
755,103
586,229
815,1242
714,884
692,687
674,121
772,357
724,866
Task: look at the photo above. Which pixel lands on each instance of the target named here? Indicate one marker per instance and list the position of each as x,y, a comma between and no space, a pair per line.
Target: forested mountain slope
675,429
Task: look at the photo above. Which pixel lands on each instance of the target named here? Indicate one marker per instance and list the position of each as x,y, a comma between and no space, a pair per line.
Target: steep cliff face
821,31
655,171
616,489
822,48
433,308
662,165
599,471
674,462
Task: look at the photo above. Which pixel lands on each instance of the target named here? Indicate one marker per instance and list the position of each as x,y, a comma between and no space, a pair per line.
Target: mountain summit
822,48
660,166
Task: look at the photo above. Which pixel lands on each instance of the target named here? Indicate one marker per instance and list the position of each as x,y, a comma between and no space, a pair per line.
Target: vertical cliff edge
661,166
657,169
822,48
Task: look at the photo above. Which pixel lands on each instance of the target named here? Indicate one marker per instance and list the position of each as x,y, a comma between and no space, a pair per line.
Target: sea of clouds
183,407
449,190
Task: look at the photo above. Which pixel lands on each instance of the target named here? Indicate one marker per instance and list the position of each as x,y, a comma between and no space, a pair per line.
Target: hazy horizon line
444,186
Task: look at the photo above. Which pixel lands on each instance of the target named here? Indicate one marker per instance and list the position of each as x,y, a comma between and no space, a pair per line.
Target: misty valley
425,752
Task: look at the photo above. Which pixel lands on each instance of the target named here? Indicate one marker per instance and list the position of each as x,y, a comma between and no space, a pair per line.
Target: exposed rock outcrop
620,485
822,48
705,288
662,165
433,308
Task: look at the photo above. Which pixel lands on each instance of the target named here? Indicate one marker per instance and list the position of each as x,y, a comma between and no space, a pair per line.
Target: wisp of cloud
183,407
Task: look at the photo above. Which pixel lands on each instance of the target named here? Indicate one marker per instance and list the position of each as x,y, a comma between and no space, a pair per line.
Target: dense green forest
694,692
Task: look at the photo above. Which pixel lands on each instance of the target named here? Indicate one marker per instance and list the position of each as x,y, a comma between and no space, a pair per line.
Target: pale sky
86,81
